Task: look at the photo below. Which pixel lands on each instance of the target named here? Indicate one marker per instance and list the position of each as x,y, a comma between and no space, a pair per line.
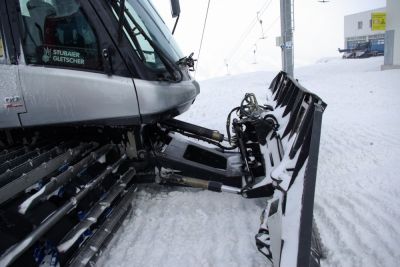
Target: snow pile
358,182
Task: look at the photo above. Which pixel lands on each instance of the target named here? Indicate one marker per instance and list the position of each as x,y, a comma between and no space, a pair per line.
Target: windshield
143,14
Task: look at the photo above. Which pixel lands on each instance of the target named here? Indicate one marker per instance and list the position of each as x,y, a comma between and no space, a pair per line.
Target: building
358,29
392,36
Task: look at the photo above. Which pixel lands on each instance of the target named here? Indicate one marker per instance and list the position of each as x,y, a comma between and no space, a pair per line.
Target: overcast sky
230,38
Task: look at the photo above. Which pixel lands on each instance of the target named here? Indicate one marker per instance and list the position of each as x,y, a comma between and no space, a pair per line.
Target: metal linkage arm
199,183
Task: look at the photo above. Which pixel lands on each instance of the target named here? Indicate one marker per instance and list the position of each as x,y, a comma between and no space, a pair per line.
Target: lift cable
235,59
249,29
202,36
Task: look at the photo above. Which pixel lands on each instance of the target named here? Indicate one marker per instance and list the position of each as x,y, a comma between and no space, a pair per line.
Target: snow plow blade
272,152
291,157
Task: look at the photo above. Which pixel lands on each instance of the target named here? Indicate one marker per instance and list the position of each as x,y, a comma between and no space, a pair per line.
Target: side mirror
175,8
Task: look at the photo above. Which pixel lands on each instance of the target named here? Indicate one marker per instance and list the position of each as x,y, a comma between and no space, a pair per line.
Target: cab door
72,72
11,100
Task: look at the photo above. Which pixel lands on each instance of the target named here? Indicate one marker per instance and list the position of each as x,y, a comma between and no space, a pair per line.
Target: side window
58,33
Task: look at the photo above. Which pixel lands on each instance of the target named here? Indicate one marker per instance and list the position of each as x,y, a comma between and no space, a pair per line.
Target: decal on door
59,56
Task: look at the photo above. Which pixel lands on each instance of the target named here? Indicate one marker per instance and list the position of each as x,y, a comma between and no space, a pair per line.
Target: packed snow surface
358,185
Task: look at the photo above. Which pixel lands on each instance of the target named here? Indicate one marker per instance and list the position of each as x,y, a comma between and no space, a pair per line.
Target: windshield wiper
171,67
121,22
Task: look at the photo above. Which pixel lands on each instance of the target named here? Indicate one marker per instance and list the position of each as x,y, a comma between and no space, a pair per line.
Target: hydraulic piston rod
194,129
203,184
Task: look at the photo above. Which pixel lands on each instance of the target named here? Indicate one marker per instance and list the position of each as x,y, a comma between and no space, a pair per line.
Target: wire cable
249,29
240,56
202,36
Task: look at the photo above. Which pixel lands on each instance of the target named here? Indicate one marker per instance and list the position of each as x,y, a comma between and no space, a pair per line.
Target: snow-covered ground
357,200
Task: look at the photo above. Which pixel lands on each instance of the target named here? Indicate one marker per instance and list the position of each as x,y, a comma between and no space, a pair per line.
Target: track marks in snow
362,235
184,227
365,251
385,208
333,240
374,228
